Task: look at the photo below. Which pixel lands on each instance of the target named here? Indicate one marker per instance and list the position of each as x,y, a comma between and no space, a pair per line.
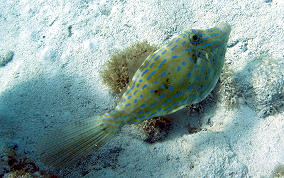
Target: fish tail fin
68,145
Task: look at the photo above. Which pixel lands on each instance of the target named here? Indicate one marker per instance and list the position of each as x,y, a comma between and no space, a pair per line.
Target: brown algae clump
15,166
123,64
156,129
227,88
278,171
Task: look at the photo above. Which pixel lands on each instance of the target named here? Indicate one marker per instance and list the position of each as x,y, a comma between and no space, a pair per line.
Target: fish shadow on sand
41,105
33,108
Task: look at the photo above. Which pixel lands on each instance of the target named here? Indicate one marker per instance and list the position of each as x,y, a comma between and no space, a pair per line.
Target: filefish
182,72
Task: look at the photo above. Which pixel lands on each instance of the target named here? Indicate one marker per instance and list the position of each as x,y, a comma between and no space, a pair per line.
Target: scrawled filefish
182,72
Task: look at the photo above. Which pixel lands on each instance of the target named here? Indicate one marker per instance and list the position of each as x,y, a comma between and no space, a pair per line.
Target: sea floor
51,53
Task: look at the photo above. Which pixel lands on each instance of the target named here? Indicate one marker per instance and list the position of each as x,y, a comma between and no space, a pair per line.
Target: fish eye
194,38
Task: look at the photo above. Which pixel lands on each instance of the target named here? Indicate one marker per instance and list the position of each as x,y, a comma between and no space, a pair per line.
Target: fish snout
225,27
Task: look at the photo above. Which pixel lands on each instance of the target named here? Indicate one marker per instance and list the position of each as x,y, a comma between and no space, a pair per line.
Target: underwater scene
124,88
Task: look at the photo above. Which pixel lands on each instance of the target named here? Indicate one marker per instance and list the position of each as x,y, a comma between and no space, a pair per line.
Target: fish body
182,72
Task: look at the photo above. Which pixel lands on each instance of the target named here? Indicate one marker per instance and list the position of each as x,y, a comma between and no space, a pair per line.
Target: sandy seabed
51,53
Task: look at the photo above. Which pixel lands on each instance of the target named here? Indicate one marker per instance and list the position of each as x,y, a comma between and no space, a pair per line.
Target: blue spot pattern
165,60
191,87
154,104
163,74
177,95
152,65
197,78
173,48
157,58
144,72
148,78
161,96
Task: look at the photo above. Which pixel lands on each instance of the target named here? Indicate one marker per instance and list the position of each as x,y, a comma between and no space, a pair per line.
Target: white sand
59,48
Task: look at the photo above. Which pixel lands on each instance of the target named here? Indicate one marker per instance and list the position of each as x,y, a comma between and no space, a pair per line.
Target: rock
5,57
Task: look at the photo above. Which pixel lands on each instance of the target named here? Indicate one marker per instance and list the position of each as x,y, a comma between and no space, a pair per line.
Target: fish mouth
226,28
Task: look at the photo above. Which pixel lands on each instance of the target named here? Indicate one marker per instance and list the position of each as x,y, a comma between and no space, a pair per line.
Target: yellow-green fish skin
182,72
